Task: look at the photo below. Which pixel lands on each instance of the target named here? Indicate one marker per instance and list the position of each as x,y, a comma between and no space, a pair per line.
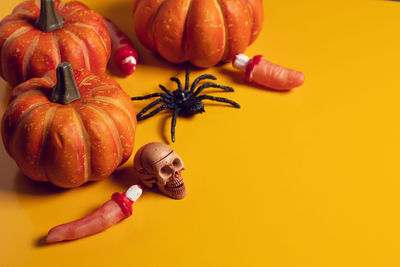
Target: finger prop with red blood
116,209
268,74
124,54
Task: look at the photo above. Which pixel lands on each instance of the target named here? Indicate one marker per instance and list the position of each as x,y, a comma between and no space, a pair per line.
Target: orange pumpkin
69,132
37,36
204,32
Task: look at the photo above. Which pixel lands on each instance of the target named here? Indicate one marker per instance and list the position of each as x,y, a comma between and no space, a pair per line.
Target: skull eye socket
165,172
177,163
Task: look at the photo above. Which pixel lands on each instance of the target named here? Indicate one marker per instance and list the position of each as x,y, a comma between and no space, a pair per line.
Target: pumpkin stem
66,89
49,20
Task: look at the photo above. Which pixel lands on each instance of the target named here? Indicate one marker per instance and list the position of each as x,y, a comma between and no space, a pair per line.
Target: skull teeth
174,181
174,187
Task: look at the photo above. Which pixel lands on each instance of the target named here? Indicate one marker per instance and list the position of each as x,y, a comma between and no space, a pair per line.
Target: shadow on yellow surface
27,186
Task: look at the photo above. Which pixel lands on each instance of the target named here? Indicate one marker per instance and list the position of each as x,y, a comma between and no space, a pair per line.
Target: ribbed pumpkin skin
203,32
69,145
27,52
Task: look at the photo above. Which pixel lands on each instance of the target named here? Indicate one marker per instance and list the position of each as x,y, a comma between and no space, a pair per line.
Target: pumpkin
69,131
37,36
203,32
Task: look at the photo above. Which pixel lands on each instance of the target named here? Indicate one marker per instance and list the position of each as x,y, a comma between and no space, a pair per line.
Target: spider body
187,103
184,100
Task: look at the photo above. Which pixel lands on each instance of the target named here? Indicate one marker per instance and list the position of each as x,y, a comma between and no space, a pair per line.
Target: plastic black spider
183,101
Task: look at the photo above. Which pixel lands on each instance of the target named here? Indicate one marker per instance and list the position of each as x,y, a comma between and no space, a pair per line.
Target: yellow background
305,178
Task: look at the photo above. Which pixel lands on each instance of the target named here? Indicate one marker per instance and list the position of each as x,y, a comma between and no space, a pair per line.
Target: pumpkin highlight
69,144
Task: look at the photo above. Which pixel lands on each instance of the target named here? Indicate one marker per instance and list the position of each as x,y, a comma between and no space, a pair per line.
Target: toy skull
156,163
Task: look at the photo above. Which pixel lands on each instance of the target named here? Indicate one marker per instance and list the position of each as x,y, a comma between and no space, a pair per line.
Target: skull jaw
175,193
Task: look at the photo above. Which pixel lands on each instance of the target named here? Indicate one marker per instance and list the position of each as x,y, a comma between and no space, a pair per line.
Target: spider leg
154,112
165,89
148,96
200,78
219,99
212,85
178,82
187,77
140,116
173,124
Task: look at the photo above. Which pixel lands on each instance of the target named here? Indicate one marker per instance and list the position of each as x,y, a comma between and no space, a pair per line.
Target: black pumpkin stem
49,20
66,89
